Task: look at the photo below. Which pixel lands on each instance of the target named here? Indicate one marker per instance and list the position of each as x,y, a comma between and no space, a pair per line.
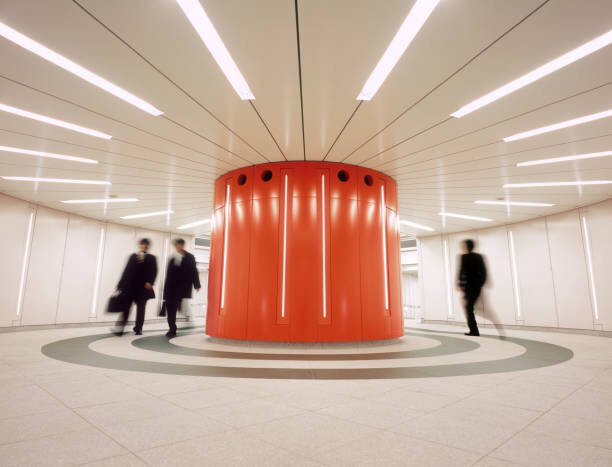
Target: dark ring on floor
537,354
447,346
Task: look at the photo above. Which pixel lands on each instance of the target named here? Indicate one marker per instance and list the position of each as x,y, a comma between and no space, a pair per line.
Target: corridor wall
60,268
552,271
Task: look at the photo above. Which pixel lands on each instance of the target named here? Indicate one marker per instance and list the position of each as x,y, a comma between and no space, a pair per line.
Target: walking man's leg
471,296
171,308
141,306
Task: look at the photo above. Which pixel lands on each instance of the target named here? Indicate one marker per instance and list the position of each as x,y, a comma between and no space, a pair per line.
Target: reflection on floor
434,397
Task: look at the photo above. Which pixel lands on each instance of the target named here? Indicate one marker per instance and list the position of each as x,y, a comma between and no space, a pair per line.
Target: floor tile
39,425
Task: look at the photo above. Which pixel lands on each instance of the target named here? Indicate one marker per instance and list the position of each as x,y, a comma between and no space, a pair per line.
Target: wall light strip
225,236
48,155
207,32
194,224
57,180
100,201
551,184
447,277
286,189
53,121
324,248
554,160
534,75
94,302
147,214
25,262
416,226
560,125
587,247
76,69
383,217
513,203
517,297
464,216
407,32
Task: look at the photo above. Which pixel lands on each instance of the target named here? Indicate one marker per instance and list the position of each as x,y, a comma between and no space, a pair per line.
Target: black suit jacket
135,274
473,272
180,280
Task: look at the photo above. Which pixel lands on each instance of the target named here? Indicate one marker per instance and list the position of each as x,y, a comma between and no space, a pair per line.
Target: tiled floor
57,413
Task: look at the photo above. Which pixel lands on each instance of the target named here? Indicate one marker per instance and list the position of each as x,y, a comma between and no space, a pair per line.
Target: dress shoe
171,334
470,334
138,333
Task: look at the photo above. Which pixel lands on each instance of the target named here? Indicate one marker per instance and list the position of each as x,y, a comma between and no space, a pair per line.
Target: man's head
144,244
468,245
179,244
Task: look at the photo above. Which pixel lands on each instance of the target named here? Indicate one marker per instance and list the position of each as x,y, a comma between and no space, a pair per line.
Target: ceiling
305,103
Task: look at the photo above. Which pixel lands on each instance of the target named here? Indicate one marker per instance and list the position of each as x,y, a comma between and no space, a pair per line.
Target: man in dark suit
472,276
136,284
181,276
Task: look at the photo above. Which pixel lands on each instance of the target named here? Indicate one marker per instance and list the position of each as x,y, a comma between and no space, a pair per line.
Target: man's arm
461,275
122,284
196,274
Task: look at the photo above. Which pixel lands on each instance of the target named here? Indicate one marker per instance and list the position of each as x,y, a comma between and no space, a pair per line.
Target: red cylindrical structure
305,252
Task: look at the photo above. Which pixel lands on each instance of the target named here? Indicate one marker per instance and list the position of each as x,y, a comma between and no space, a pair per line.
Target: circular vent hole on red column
368,180
343,176
242,178
266,175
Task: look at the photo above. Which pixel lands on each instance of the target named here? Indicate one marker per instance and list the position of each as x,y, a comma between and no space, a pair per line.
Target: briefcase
118,303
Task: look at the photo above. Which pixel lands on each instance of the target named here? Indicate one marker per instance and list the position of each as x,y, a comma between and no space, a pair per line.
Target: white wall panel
599,221
569,271
79,271
13,231
44,272
497,295
432,274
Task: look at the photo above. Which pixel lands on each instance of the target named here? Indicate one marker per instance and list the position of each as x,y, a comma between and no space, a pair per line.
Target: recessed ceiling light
194,224
463,216
547,184
147,214
514,203
53,121
534,75
416,226
101,200
207,32
402,39
554,160
57,180
560,125
49,155
76,69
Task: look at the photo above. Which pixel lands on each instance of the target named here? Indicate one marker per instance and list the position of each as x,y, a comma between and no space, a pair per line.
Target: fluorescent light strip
554,160
534,75
57,180
383,217
53,121
24,263
225,235
100,201
284,248
207,32
398,45
94,302
560,125
513,203
147,214
551,184
48,155
74,68
416,226
447,276
517,298
194,224
463,216
587,246
323,249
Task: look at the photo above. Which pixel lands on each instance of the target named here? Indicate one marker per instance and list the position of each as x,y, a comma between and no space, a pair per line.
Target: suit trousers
471,295
141,305
172,306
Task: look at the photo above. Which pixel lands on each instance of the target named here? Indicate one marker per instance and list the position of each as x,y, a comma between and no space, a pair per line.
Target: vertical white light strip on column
324,256
94,302
284,249
226,228
383,215
587,247
517,296
447,275
24,264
